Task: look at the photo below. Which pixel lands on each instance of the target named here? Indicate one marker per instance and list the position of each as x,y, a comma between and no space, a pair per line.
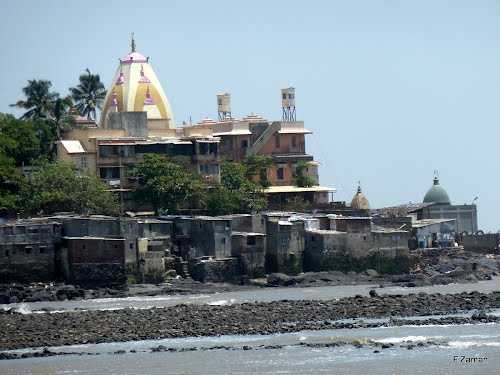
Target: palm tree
39,101
88,95
61,115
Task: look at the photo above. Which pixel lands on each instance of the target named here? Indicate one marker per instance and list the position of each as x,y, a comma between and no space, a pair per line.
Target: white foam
471,344
222,302
397,340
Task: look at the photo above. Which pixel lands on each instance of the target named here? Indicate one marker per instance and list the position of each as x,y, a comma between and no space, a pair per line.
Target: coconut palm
39,101
88,95
62,116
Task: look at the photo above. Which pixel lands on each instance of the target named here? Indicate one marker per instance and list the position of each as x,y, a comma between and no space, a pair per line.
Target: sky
392,90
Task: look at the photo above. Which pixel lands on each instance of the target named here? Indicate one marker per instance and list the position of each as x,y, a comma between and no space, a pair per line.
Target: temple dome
359,201
136,88
437,194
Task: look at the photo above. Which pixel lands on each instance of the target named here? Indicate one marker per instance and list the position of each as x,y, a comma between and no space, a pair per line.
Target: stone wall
215,270
331,250
482,243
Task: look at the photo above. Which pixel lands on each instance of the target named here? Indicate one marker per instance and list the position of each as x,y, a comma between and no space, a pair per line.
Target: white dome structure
135,88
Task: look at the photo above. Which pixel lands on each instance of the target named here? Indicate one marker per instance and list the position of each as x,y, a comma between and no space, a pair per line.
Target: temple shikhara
137,119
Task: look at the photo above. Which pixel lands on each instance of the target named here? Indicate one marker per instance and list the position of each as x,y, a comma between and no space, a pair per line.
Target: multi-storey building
137,120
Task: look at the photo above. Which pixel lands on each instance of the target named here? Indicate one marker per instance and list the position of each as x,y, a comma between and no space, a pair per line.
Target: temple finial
359,186
132,43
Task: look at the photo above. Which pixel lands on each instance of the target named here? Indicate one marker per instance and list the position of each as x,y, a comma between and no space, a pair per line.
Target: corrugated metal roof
73,147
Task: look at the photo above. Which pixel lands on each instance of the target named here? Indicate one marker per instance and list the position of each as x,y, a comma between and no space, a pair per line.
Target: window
42,249
284,96
131,246
203,148
223,241
84,247
33,230
28,249
251,240
294,141
277,141
110,172
7,253
115,246
244,143
280,173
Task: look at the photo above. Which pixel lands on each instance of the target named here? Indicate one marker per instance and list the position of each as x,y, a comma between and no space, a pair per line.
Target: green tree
236,193
257,166
19,139
59,187
168,186
62,117
88,95
300,177
39,101
11,181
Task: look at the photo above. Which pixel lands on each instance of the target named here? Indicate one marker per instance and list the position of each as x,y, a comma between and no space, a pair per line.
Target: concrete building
95,261
285,246
250,249
438,206
283,141
136,120
28,250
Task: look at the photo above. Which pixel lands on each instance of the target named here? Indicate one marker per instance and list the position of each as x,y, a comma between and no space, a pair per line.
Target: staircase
264,137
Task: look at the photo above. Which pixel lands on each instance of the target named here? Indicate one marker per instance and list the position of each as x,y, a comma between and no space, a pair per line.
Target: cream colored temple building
137,119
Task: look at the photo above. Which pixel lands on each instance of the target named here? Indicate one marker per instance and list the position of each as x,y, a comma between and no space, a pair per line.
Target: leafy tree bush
300,177
168,186
256,169
236,193
59,187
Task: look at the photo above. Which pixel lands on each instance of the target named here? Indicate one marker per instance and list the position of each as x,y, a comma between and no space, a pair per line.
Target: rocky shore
443,267
68,328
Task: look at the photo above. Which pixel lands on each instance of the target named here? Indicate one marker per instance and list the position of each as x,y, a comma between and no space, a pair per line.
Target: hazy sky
391,89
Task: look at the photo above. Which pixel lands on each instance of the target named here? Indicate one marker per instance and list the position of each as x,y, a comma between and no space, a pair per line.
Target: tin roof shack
28,250
432,233
107,227
250,249
96,261
393,222
285,246
486,243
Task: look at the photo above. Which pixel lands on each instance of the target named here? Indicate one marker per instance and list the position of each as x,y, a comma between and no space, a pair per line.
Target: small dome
359,201
437,194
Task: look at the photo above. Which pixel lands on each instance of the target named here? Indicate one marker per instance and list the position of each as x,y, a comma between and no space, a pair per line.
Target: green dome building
437,194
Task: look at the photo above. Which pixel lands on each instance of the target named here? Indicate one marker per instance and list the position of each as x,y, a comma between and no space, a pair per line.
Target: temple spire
132,43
